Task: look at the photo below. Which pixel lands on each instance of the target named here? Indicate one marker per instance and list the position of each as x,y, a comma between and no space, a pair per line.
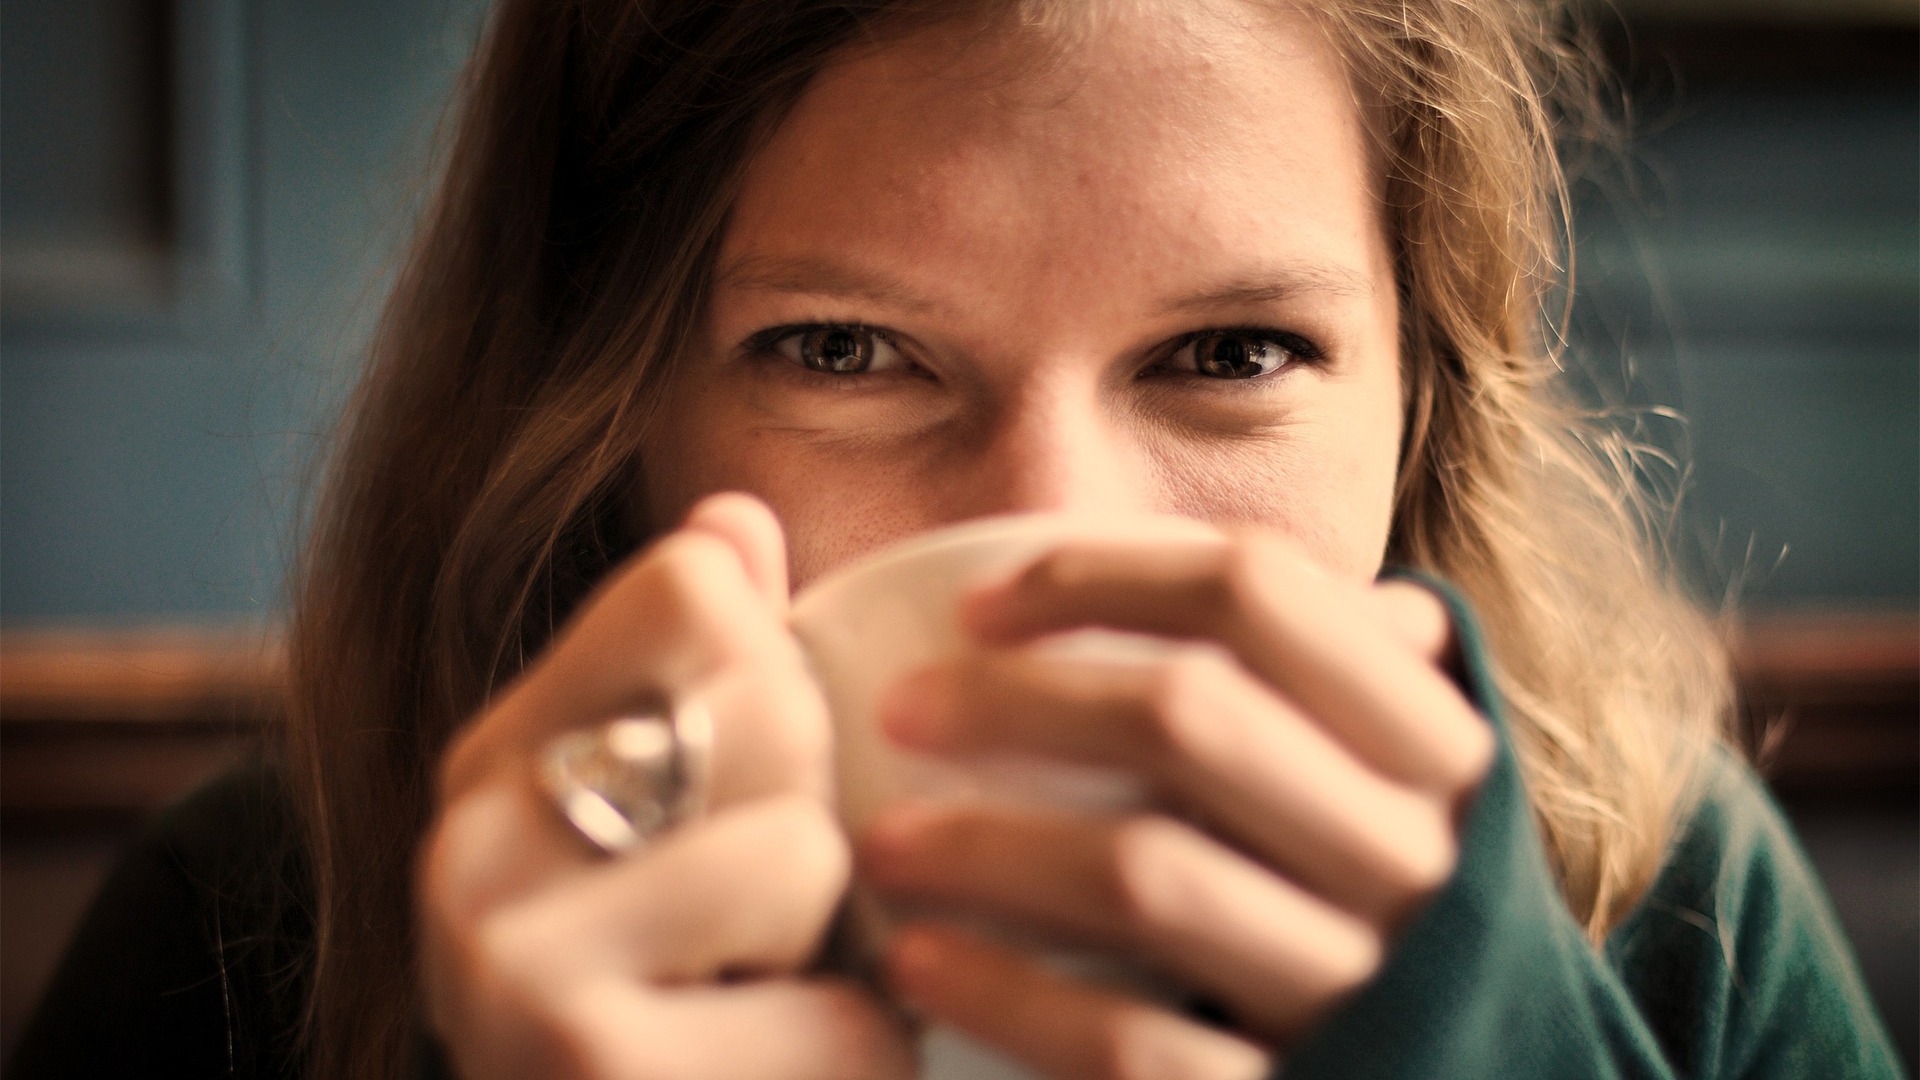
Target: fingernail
912,711
914,959
893,835
981,607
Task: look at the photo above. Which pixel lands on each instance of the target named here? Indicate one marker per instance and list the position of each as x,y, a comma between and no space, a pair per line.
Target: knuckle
1144,857
1132,1046
1353,953
513,946
1182,697
1478,746
1463,757
1247,568
1058,570
1424,858
806,841
1412,609
694,577
1269,581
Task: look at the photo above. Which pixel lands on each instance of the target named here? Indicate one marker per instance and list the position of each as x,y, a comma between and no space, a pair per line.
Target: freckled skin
1036,210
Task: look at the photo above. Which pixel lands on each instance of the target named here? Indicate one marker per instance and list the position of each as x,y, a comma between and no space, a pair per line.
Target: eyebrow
1279,283
811,276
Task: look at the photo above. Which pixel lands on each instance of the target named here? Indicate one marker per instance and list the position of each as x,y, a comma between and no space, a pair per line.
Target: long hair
1617,685
481,480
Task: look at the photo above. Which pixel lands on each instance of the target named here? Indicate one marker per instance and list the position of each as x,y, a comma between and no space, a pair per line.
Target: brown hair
480,483
1616,684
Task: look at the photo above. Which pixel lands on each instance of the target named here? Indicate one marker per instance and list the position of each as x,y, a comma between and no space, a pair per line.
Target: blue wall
153,441
1757,267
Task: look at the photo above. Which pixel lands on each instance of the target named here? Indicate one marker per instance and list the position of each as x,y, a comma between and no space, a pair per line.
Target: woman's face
972,274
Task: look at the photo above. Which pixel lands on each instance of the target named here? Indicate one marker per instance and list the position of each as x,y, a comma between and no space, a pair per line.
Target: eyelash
763,342
1299,350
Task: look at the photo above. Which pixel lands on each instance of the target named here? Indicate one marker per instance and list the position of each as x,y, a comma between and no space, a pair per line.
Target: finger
746,523
1415,617
1278,956
487,848
1213,741
774,1030
1289,622
684,611
695,907
658,625
490,846
1067,1030
505,837
683,623
770,1030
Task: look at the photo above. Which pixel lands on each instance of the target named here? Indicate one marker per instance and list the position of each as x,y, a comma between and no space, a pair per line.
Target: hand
540,958
1311,751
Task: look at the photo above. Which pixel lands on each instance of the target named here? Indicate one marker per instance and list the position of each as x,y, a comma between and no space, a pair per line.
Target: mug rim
1048,525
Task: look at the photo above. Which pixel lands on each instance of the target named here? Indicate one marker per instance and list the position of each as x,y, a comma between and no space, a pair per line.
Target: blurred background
199,206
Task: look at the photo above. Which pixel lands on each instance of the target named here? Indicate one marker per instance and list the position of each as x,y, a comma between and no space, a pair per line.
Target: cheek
833,503
1327,481
1338,507
833,511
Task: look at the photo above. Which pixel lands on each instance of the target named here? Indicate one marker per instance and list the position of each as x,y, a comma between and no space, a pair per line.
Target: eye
835,350
1239,354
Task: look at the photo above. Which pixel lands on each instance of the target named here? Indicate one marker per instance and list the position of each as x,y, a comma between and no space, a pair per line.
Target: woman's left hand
1314,757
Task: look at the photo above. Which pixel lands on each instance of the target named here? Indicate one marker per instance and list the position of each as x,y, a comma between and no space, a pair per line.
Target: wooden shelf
160,676
1831,702
104,727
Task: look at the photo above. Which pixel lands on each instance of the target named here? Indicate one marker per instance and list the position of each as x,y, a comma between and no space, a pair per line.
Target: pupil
838,350
1232,357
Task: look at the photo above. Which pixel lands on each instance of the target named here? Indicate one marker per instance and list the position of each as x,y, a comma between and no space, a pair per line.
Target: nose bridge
1055,445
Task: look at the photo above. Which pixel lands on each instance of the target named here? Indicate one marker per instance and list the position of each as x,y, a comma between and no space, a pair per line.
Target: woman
886,267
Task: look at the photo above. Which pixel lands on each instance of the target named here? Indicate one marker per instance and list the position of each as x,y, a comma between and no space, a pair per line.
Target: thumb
749,527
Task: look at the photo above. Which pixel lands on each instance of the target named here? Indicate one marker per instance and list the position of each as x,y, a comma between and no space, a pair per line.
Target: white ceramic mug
866,625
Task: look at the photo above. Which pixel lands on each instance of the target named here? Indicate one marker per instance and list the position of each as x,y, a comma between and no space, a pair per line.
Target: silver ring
625,780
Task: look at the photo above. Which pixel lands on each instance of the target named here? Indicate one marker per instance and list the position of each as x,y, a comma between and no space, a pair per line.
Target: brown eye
839,350
1236,355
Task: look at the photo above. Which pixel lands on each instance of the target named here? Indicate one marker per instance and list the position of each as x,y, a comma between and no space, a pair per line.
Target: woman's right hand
541,958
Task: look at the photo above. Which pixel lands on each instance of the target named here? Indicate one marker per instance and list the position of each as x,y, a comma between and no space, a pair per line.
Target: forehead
1153,136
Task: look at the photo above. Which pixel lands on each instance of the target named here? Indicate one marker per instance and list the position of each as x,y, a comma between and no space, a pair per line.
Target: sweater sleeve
1732,966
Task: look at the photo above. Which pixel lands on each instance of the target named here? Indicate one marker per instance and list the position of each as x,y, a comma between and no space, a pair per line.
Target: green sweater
191,961
1732,965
